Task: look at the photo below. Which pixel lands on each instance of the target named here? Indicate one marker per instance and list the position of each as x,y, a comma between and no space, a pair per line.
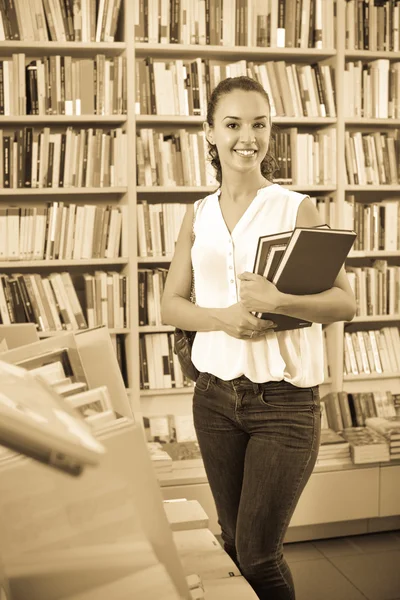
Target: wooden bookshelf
103,196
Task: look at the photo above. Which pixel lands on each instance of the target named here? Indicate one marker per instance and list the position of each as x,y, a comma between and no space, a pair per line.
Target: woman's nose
247,134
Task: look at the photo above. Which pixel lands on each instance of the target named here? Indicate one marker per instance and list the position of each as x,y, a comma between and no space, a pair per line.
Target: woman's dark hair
269,164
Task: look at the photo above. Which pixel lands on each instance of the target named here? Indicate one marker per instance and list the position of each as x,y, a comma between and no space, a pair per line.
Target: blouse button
230,266
232,281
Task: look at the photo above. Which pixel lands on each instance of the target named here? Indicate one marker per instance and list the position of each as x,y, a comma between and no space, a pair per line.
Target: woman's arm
176,308
336,304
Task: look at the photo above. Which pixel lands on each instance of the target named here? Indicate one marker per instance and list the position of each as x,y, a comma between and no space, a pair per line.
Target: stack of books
162,461
366,445
334,449
390,429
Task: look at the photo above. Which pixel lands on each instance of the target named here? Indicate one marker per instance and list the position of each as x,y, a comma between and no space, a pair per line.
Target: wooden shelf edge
210,189
373,319
62,191
46,334
371,377
196,119
70,119
144,48
167,392
40,264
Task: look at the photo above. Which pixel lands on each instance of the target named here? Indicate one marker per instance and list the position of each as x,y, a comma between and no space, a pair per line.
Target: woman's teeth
245,152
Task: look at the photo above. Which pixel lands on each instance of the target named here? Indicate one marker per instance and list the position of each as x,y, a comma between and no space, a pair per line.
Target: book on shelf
372,351
63,85
277,24
159,366
372,26
334,449
57,21
370,89
37,423
366,445
389,428
371,158
309,264
344,410
183,87
57,303
47,158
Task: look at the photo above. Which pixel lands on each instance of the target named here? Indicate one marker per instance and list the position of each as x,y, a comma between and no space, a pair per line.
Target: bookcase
98,99
361,30
130,195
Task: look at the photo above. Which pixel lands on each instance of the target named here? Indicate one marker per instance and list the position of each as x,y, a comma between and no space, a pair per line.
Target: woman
256,402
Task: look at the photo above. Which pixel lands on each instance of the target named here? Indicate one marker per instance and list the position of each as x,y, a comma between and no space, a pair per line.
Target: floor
352,568
362,567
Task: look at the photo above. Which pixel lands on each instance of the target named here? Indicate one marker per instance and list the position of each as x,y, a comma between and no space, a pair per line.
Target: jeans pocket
203,382
291,398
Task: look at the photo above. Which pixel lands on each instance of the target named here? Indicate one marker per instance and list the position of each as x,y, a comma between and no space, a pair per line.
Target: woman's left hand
258,294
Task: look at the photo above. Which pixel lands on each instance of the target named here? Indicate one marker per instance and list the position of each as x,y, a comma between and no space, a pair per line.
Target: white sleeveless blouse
218,257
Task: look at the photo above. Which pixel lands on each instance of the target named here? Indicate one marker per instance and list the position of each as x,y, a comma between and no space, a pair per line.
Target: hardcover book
308,264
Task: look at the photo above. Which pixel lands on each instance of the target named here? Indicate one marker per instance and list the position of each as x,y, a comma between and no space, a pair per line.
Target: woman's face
241,131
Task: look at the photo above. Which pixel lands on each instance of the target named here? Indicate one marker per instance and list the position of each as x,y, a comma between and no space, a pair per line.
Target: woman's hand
258,294
237,321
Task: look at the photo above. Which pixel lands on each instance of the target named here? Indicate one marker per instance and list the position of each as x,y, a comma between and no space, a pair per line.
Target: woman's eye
232,125
259,125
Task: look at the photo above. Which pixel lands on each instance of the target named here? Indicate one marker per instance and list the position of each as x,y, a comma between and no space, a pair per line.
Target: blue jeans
259,443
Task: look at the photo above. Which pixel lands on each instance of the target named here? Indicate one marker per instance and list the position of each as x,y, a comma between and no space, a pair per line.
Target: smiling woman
256,401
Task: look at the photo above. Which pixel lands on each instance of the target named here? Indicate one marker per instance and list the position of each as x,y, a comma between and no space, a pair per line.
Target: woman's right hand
238,322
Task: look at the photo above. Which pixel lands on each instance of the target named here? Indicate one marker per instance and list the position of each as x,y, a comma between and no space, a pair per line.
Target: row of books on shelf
59,20
159,365
73,158
341,410
378,442
55,303
304,158
180,158
158,227
373,351
372,25
276,23
63,85
177,158
372,158
183,87
372,90
376,288
376,223
63,231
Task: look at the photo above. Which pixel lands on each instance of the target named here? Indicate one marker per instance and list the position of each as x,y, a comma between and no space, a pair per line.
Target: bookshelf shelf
367,55
61,191
154,259
373,253
46,334
70,48
56,264
67,119
167,391
232,52
364,377
372,188
362,122
197,120
155,328
211,189
374,319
